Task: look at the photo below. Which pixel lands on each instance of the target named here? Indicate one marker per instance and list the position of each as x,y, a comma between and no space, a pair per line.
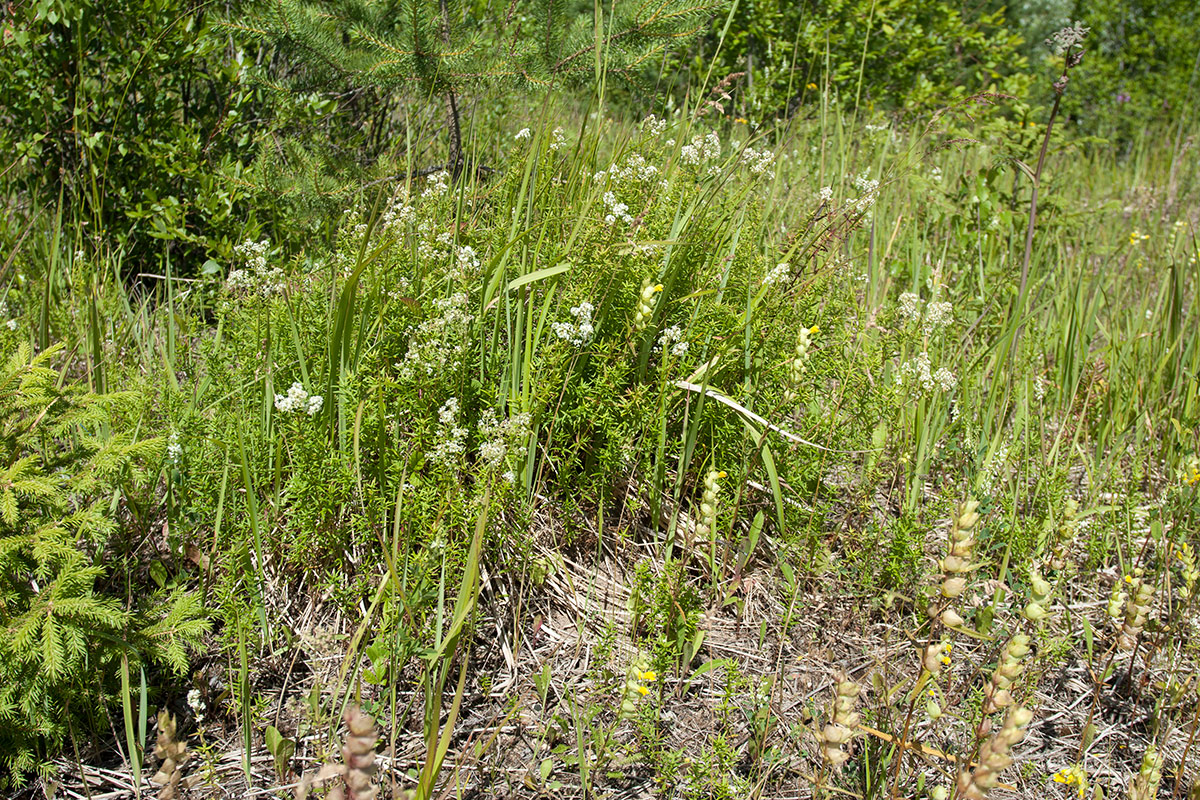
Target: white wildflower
451,439
174,448
780,273
438,184
524,133
910,307
653,126
945,379
557,141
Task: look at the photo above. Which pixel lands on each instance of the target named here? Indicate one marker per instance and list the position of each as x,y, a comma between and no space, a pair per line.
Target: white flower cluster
452,438
653,126
174,448
910,307
255,277
399,211
870,128
196,704
439,184
524,133
636,168
868,190
780,273
434,247
826,194
466,263
759,161
437,343
1063,40
937,314
297,399
672,341
500,435
557,141
702,148
935,174
919,371
994,470
616,210
581,331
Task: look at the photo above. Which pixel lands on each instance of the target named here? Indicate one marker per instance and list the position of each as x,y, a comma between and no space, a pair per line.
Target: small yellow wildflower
642,690
1072,776
815,329
741,120
650,676
1129,579
812,86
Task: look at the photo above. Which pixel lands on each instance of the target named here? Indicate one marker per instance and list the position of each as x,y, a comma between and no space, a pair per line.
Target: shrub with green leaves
69,460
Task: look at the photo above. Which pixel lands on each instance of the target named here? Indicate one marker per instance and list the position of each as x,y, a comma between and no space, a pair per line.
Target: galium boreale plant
62,634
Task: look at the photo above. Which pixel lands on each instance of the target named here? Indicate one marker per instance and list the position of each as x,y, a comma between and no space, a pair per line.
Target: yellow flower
812,86
1128,579
650,676
642,690
721,474
658,287
742,120
814,329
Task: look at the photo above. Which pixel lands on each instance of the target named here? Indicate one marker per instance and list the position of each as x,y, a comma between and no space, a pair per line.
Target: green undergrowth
714,351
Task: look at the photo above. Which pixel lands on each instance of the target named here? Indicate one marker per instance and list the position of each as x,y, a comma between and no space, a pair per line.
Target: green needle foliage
445,47
60,632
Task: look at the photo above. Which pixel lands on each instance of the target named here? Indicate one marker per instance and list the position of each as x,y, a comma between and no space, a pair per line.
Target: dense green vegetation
827,430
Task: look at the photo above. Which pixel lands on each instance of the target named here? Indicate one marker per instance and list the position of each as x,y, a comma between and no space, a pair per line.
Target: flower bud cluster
797,363
708,504
936,656
1145,783
635,687
647,299
1063,536
1186,556
843,721
1137,608
962,542
994,756
1009,668
1039,597
1116,600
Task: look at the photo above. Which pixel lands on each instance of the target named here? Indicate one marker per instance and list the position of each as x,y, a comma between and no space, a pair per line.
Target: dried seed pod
994,756
173,754
842,722
1137,609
